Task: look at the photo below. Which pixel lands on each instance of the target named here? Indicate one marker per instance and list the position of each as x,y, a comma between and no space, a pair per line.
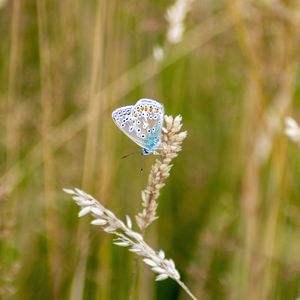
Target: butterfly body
142,123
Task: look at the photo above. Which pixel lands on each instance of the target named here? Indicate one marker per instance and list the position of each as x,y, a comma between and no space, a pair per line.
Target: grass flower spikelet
126,237
175,16
292,130
172,139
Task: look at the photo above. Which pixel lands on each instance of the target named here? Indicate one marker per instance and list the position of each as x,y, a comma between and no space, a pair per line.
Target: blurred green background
230,212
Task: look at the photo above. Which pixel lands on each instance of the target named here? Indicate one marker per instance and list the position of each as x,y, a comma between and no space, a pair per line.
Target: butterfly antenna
143,162
132,153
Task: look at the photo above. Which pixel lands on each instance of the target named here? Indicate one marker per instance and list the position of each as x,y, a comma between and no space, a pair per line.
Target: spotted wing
142,122
147,119
122,117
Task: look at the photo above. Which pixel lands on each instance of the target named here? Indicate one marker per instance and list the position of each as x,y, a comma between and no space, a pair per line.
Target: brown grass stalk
172,139
127,237
48,152
264,109
91,146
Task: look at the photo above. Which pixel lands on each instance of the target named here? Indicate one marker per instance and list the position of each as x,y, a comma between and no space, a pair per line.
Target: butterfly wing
148,116
142,122
122,117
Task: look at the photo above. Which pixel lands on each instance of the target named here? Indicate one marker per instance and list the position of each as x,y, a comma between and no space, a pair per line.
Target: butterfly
142,123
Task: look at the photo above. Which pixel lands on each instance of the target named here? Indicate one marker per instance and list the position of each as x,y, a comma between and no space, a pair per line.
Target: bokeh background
229,213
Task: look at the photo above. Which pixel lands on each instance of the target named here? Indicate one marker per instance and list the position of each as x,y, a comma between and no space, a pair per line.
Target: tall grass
229,215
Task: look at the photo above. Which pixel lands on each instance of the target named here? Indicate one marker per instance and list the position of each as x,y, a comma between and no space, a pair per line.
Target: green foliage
229,218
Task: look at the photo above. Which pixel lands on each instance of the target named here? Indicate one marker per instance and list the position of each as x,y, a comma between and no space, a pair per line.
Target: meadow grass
229,214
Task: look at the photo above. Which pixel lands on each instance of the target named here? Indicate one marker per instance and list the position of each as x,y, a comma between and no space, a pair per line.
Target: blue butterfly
142,123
